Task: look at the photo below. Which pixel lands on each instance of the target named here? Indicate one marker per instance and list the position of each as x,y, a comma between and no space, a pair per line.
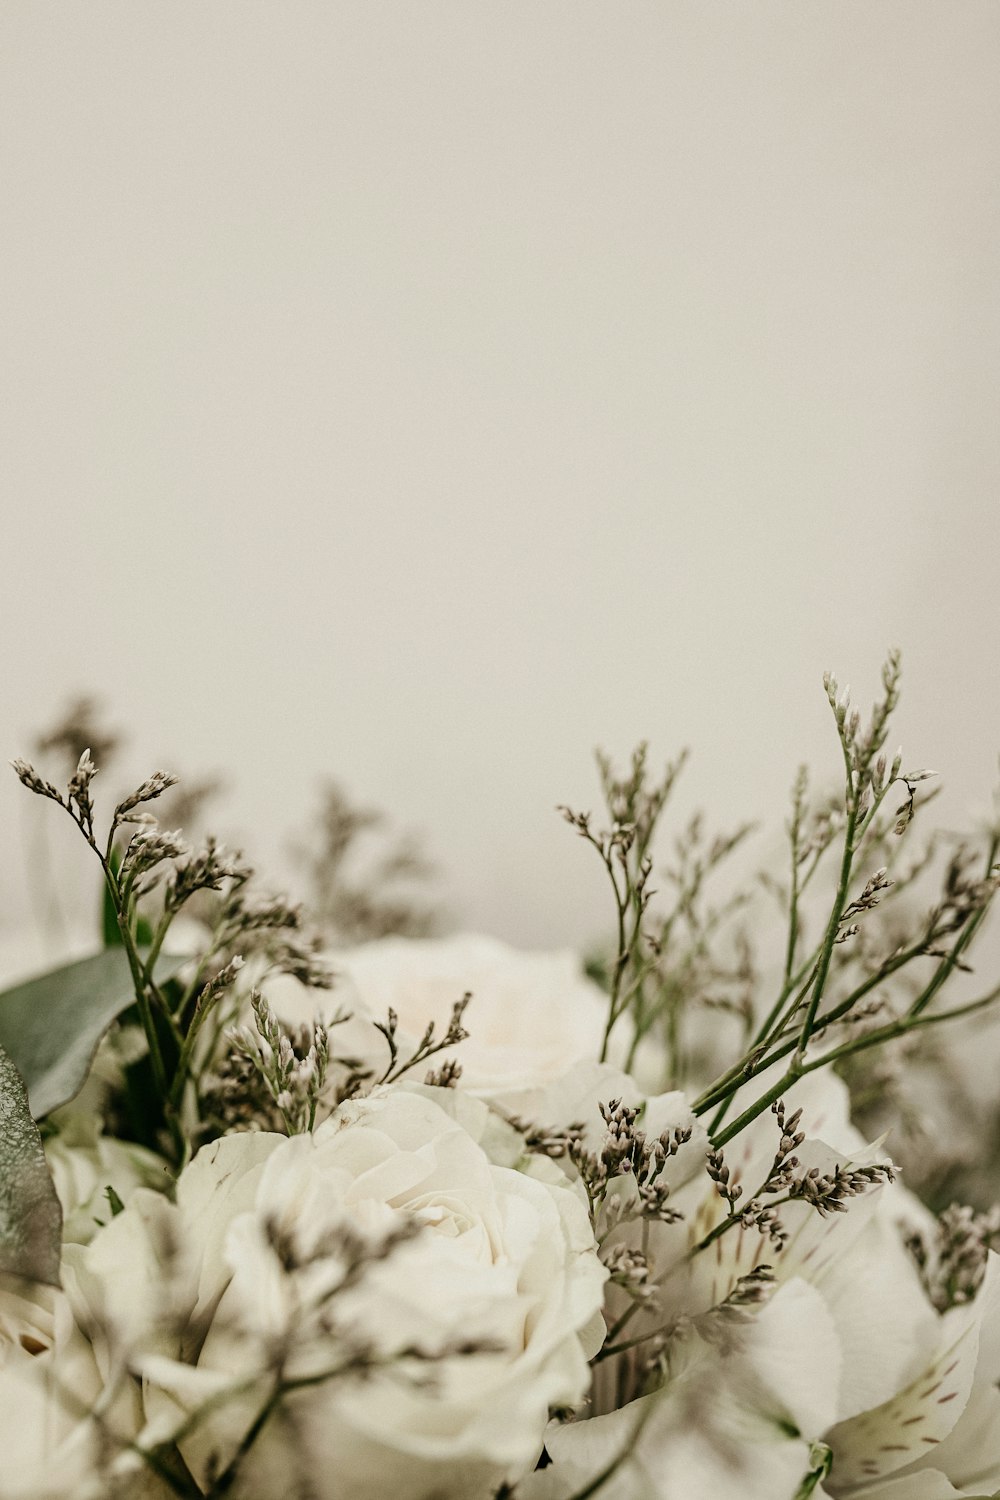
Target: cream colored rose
504,1261
66,1418
532,1015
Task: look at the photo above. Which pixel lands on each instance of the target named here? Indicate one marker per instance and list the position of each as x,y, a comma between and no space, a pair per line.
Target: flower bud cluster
952,1265
293,1069
829,1192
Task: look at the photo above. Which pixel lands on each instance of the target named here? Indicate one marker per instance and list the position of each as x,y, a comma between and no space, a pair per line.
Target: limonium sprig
802,1014
140,860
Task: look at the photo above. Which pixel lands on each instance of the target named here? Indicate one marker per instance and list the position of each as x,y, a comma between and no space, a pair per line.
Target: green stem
833,927
756,1059
793,910
754,1063
176,1096
141,992
162,927
620,964
893,1029
142,995
791,1075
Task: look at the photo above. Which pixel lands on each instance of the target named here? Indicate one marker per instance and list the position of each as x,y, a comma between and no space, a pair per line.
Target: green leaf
30,1215
114,1202
51,1026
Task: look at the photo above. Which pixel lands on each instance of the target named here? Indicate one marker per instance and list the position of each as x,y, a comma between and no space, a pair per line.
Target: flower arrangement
378,1213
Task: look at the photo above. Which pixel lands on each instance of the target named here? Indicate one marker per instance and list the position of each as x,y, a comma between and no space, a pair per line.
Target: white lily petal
904,1429
888,1330
794,1352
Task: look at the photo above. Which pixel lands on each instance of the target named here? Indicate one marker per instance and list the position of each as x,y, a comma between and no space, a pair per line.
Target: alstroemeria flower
914,1396
725,1425
932,1423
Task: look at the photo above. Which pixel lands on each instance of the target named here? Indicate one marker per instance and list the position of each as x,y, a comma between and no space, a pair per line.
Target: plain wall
427,393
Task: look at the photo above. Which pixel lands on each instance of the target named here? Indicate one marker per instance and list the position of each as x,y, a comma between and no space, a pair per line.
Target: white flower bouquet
294,1217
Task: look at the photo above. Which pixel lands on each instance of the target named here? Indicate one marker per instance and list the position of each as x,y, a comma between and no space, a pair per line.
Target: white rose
503,1255
532,1015
66,1419
84,1164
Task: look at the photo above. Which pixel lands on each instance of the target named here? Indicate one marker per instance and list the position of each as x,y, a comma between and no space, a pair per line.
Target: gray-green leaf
30,1215
51,1026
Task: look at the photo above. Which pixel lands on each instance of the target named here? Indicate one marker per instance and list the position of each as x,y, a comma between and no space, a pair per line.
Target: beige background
425,393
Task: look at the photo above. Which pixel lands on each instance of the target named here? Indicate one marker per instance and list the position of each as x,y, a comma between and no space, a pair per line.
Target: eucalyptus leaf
51,1026
30,1214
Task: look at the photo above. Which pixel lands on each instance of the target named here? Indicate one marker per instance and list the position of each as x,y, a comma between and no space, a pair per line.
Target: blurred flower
531,1016
66,1418
85,1164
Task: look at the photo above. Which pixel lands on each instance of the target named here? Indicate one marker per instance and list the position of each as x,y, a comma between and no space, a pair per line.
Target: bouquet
287,1213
